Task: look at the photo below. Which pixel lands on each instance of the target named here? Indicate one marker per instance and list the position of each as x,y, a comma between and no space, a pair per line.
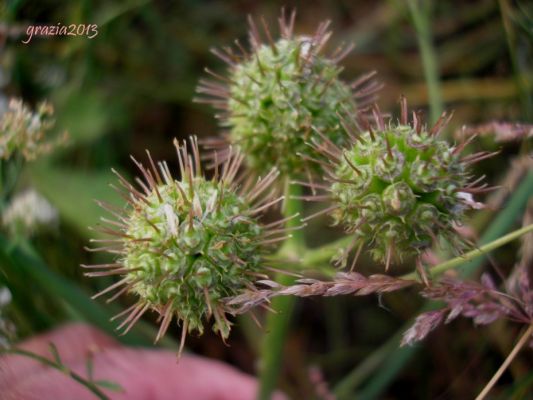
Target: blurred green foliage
130,88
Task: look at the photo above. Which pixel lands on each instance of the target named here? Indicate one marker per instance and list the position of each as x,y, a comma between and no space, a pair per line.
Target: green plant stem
393,362
324,253
61,368
420,15
277,324
293,207
358,375
520,73
317,259
464,258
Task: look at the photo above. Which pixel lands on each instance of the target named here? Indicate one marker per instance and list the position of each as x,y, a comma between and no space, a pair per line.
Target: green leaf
112,11
55,353
24,258
89,367
109,385
85,114
73,193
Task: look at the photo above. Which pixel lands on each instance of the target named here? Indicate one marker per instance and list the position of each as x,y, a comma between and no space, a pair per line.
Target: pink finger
144,374
74,341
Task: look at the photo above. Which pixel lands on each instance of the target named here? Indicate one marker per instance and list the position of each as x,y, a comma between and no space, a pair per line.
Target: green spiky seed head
189,245
280,97
194,257
398,188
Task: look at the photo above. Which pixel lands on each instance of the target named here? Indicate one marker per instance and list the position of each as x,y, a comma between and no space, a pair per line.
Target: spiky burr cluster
278,94
186,246
398,187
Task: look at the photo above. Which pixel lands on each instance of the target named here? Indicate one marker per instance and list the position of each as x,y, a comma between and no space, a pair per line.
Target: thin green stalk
293,207
365,369
324,253
277,324
393,362
420,15
520,72
61,368
317,258
480,251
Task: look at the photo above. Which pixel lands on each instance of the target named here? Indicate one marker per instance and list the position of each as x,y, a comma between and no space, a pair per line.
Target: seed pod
282,94
187,246
398,188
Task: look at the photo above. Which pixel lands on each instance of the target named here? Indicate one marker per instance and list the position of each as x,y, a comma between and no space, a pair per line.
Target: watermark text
88,30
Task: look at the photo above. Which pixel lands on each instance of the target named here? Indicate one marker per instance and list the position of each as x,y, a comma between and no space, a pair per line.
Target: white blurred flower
5,297
28,213
7,329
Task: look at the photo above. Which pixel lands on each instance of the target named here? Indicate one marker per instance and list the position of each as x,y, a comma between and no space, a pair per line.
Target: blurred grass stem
277,324
420,13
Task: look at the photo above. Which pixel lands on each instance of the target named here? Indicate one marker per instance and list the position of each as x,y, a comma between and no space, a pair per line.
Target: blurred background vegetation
131,88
